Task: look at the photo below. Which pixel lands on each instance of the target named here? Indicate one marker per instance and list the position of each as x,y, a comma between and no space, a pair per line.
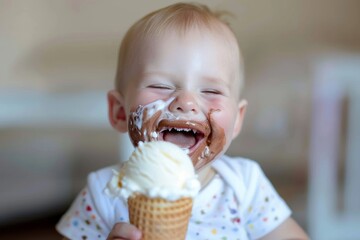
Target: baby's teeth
180,129
183,129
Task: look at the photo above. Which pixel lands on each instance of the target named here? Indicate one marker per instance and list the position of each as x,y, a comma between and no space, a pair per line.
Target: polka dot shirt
239,203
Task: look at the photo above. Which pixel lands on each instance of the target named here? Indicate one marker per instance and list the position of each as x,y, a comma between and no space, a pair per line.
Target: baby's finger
124,231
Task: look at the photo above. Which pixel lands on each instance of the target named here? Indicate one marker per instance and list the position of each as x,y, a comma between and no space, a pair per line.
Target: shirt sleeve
265,209
93,213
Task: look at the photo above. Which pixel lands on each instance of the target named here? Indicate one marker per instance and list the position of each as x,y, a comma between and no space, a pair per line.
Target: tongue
182,139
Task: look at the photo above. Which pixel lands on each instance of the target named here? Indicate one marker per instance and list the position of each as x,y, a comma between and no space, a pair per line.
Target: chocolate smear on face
213,145
143,127
206,137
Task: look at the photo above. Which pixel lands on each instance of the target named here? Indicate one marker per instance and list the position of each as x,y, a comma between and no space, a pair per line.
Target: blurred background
302,63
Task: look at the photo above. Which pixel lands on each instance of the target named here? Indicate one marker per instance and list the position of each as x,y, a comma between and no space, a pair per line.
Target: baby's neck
205,175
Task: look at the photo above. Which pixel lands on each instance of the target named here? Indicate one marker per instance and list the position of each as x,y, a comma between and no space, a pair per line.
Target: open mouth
187,135
183,137
202,140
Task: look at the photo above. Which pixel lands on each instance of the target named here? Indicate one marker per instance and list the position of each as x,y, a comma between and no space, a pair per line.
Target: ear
116,111
240,117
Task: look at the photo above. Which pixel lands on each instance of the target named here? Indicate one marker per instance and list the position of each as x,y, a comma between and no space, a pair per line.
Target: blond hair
180,16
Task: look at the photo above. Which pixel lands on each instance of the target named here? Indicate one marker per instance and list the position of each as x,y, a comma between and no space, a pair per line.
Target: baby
178,79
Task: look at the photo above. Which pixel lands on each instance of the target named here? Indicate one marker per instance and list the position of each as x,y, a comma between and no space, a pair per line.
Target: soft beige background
51,50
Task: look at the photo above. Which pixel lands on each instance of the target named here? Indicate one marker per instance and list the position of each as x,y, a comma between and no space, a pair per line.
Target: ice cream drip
148,123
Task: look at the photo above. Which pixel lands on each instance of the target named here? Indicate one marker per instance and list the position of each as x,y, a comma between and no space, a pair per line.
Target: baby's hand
124,231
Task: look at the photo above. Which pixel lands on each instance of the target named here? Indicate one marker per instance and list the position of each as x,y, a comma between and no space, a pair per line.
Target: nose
184,102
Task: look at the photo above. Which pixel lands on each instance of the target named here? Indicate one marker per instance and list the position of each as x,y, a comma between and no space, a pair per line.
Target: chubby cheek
143,98
225,119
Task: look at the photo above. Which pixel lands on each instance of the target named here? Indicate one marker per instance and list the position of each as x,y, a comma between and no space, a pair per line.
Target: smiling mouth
202,140
185,134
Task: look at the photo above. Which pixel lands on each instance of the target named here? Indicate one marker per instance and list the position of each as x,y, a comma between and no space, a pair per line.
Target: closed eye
160,86
212,91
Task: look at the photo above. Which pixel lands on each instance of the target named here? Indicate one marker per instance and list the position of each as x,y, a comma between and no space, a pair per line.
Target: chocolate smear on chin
210,148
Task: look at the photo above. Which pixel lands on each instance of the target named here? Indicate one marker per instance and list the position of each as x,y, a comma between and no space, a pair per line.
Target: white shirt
238,203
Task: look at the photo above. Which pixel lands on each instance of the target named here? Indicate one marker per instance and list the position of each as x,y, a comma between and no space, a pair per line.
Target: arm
288,230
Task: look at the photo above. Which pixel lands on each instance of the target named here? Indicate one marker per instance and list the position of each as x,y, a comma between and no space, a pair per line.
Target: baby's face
184,91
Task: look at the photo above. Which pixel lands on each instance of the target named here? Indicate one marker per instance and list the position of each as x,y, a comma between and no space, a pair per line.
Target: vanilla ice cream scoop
156,169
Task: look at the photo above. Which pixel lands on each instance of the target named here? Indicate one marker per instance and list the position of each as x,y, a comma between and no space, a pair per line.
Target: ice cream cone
159,183
160,219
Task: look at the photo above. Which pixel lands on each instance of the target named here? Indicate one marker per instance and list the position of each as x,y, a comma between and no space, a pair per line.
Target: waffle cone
160,219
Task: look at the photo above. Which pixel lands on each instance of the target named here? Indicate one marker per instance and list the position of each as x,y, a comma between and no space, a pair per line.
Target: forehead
212,48
143,44
173,44
220,34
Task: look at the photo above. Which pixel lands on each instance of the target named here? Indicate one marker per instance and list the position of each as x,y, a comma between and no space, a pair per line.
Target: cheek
226,120
142,98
